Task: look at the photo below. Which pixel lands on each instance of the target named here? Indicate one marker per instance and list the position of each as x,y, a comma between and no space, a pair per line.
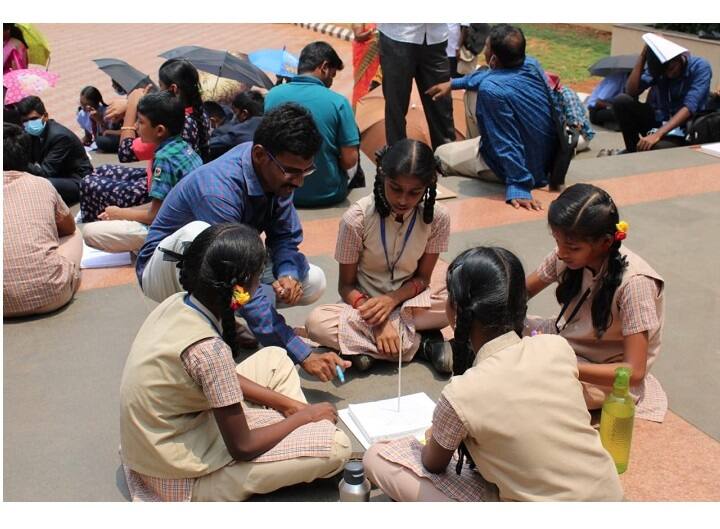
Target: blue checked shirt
228,190
174,158
518,137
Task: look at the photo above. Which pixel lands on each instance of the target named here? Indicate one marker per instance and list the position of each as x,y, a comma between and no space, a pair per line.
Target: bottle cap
622,377
354,473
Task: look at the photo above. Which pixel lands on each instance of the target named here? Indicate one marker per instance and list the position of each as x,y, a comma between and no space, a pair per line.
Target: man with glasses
334,117
252,183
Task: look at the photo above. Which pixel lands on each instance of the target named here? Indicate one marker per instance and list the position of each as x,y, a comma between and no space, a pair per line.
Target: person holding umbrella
15,49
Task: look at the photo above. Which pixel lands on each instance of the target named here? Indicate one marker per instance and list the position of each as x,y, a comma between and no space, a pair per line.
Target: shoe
361,362
435,350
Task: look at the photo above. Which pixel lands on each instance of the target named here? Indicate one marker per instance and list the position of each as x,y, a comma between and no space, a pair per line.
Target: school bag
703,127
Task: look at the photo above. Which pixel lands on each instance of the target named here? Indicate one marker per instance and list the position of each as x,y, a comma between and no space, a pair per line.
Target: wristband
358,300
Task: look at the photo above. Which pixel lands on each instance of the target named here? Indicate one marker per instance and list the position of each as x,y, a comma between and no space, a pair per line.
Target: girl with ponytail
611,301
511,424
387,247
194,426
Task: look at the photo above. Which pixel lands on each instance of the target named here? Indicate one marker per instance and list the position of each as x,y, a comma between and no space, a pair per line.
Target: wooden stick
400,365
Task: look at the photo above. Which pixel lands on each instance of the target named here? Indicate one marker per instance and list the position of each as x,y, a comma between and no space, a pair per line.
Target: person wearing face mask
317,67
247,108
56,153
517,134
681,85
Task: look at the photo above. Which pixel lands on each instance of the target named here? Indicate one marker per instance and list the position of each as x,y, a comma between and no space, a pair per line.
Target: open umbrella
613,64
38,47
27,82
221,63
370,117
277,61
122,73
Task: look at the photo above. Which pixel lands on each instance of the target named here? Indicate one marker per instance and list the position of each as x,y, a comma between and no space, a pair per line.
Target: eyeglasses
292,173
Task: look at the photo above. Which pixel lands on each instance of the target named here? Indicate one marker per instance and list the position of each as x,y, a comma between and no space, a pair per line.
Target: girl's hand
376,310
387,340
319,412
110,213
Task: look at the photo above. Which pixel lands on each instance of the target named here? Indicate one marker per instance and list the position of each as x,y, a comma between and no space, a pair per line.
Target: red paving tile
75,45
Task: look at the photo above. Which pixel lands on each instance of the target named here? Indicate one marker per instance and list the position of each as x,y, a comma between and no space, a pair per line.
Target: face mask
34,127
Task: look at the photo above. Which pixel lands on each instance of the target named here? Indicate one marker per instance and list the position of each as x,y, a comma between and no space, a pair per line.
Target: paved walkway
62,372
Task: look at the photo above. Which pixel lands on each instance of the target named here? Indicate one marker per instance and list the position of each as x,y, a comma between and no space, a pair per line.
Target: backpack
703,127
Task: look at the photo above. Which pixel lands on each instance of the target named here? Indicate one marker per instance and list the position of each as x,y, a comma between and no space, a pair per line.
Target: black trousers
428,65
67,188
107,144
636,119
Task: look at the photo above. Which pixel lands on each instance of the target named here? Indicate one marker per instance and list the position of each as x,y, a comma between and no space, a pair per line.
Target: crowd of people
204,419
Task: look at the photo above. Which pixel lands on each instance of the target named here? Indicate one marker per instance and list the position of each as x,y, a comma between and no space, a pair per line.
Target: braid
381,203
568,285
463,454
429,209
602,303
229,331
463,355
202,126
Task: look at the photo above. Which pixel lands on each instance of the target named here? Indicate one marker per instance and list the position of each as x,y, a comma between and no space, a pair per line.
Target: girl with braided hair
513,410
611,300
387,247
193,425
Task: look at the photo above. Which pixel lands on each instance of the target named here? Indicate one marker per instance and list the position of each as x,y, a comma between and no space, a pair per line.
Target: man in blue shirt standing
517,134
252,184
333,117
680,88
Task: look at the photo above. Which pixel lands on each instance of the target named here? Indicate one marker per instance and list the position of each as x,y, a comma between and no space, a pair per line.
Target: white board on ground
380,420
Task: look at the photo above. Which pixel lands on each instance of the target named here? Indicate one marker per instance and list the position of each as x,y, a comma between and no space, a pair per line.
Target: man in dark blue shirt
247,108
680,86
252,184
517,133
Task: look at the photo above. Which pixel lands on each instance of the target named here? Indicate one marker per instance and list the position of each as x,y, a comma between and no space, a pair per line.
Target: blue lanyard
391,269
192,305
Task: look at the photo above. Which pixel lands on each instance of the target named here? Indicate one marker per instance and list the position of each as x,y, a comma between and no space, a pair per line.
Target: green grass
566,50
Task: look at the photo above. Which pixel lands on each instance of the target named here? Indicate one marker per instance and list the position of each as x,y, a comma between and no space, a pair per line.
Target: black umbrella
614,64
123,74
222,64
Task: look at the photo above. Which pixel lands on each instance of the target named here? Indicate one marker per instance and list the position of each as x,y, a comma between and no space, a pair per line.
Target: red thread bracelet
358,299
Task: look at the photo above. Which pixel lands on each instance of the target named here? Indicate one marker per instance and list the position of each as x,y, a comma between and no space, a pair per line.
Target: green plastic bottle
616,421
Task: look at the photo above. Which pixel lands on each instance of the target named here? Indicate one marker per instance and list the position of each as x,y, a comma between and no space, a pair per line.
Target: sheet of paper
380,420
93,258
711,148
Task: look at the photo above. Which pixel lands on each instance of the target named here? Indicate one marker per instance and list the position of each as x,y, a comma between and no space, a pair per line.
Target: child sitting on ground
160,122
513,409
388,245
193,425
611,300
91,117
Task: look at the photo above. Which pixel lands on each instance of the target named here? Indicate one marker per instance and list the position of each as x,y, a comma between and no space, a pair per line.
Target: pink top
14,55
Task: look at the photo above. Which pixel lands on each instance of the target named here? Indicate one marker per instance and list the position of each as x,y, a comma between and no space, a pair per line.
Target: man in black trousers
415,51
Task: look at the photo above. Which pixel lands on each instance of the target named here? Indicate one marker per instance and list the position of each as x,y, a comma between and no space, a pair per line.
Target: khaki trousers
270,367
398,482
115,235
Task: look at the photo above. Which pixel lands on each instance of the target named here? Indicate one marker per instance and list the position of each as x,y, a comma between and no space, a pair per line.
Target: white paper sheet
93,258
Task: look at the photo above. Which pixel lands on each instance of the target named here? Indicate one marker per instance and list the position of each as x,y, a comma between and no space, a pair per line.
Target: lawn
567,50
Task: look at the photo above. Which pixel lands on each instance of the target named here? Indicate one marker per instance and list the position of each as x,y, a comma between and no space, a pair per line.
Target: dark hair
486,286
182,73
508,44
16,148
162,108
316,53
251,101
220,257
93,95
15,32
30,103
588,213
406,157
289,128
11,114
213,109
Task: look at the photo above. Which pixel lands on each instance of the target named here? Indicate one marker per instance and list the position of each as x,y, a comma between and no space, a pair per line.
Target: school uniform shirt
335,121
360,241
415,33
34,273
520,411
169,437
174,158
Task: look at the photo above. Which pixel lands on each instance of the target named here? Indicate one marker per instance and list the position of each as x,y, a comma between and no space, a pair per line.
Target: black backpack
703,127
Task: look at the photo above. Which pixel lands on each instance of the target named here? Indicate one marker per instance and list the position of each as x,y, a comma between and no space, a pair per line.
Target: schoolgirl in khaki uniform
193,426
513,409
388,246
611,300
